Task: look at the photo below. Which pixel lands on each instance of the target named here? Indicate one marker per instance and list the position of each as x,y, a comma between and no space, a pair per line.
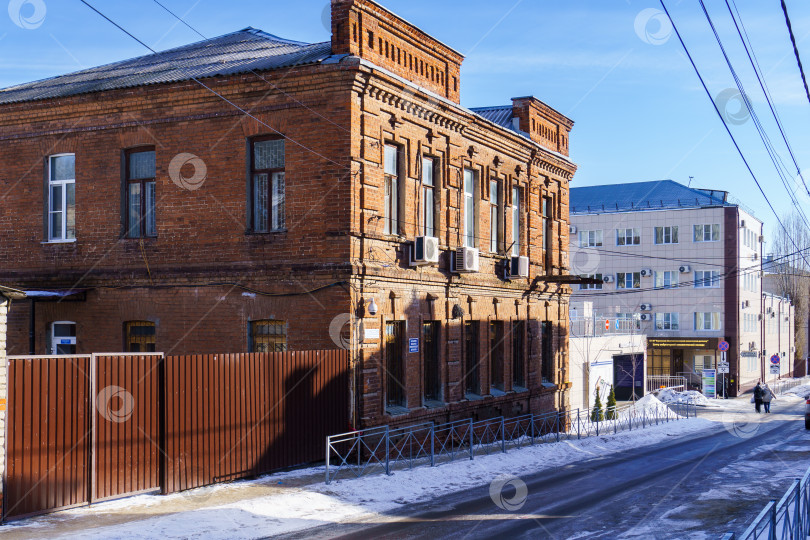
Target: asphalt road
689,487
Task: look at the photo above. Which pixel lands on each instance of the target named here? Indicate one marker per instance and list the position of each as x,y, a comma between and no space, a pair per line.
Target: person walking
758,397
767,396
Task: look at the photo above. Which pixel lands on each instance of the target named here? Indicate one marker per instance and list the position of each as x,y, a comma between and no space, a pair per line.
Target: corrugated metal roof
638,196
501,115
238,52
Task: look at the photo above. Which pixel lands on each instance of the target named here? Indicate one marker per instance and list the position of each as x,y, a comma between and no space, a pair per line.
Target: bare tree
791,252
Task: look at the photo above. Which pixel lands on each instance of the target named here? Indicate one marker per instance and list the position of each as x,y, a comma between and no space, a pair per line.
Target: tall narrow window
496,354
430,338
140,336
394,380
62,197
140,178
268,336
470,221
515,221
391,210
428,198
547,349
268,190
471,359
494,212
547,225
518,351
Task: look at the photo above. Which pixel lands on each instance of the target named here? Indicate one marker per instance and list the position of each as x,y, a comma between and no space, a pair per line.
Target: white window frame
667,321
621,282
634,237
699,232
629,317
494,215
391,190
669,235
702,282
591,286
64,206
701,317
590,238
470,220
428,197
665,279
516,221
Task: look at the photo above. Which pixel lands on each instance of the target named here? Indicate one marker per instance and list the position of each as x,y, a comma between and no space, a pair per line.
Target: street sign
607,324
775,359
413,344
722,367
617,324
709,383
775,369
723,345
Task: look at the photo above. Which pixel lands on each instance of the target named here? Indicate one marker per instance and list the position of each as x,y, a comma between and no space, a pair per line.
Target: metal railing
657,382
602,326
383,450
789,519
782,386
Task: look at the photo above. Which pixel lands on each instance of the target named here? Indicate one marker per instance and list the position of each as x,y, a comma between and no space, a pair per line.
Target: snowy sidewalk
298,500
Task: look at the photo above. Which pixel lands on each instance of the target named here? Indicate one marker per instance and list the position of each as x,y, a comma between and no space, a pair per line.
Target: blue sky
639,109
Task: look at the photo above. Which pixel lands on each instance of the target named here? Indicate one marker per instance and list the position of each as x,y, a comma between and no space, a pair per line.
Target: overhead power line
795,49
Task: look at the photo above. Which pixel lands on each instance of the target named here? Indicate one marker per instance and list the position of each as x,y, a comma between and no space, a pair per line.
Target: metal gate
85,428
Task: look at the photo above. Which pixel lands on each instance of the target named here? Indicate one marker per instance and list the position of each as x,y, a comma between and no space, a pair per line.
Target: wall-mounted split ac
685,269
425,251
607,279
646,307
518,267
646,316
466,260
646,272
572,229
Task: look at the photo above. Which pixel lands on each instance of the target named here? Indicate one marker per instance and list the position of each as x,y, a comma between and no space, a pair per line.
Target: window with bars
140,336
140,187
268,336
518,354
62,198
268,185
471,358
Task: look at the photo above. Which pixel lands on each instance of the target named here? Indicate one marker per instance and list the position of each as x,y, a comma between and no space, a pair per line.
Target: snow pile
692,397
802,391
651,405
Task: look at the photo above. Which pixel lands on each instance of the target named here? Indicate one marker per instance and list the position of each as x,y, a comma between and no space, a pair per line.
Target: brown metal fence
87,428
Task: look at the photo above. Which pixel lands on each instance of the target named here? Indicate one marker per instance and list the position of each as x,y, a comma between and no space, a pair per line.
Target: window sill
396,410
70,241
519,389
265,233
433,404
473,397
139,238
496,392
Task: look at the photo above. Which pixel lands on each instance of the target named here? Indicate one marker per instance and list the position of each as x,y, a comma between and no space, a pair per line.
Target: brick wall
4,305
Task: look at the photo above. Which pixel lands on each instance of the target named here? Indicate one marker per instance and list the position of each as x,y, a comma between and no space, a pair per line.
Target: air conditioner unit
745,304
761,238
645,307
607,279
519,267
646,272
742,223
646,316
773,314
425,251
572,229
466,260
685,269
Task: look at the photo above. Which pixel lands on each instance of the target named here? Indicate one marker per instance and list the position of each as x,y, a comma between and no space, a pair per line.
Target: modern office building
683,265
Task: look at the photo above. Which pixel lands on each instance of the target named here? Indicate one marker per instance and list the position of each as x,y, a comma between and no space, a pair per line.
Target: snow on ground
281,506
802,391
651,405
692,397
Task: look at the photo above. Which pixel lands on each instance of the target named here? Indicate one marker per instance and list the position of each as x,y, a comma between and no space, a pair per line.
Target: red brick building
250,192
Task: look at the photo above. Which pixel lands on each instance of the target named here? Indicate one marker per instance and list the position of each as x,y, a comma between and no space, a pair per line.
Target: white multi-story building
683,264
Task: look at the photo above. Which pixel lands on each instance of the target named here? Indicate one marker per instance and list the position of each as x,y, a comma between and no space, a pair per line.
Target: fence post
432,451
577,423
558,426
797,510
531,420
772,519
503,435
471,439
387,452
327,458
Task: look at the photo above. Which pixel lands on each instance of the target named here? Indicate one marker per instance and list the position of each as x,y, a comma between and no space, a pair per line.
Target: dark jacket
758,393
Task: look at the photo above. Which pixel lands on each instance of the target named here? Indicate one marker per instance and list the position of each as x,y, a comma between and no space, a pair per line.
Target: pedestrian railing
789,519
658,382
384,450
784,385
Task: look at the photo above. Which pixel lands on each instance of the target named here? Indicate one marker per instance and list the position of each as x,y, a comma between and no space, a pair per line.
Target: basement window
268,336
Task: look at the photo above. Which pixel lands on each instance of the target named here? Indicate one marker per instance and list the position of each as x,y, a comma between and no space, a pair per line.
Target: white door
63,337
